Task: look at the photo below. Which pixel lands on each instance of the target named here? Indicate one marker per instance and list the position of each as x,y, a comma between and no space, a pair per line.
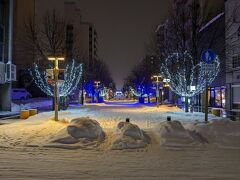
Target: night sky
123,28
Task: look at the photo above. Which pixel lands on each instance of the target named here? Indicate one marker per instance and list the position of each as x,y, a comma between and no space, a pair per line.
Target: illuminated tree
72,77
183,74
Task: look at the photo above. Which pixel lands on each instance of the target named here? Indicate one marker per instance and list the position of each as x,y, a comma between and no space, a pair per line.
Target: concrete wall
5,89
232,23
5,97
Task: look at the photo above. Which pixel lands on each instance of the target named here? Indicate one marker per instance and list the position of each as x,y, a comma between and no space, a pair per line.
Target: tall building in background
232,21
7,69
81,36
23,55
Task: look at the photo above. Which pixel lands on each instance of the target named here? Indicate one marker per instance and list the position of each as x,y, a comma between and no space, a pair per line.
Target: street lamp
157,87
56,73
97,83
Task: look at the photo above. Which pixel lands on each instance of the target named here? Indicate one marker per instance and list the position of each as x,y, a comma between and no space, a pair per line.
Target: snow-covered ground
36,103
150,147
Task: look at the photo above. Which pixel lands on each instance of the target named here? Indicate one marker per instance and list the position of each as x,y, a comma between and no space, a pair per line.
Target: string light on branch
72,77
104,92
183,74
135,93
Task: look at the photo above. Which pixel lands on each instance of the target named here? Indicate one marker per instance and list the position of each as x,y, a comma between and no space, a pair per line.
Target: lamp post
157,87
97,84
55,74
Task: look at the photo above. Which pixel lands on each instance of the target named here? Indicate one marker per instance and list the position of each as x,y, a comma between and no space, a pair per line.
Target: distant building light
192,88
166,80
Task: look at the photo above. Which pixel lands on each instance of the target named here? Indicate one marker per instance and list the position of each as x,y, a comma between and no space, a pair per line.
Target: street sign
166,80
208,56
208,67
61,74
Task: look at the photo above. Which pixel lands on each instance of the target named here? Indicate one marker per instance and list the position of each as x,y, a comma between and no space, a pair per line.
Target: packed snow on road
97,141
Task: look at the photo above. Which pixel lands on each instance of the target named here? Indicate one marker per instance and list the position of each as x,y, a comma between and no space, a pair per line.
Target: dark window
69,37
1,13
1,34
239,31
1,52
236,61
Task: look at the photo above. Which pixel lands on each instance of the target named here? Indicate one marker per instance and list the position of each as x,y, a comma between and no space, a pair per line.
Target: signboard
208,67
208,56
61,76
166,80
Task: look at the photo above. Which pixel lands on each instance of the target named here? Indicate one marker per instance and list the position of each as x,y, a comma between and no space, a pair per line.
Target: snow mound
129,136
223,133
80,130
173,134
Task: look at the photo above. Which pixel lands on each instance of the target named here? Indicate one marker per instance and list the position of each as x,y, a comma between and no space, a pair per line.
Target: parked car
20,94
119,95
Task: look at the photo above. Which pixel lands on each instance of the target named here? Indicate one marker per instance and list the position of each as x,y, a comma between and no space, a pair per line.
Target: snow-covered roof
159,26
211,21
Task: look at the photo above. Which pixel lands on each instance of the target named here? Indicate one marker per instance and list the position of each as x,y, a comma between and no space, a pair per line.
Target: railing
234,114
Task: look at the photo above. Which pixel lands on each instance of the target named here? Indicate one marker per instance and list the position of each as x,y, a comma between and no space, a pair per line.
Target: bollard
24,114
32,112
216,112
168,118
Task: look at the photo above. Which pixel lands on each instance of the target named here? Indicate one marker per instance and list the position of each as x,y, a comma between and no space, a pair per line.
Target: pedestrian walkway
4,114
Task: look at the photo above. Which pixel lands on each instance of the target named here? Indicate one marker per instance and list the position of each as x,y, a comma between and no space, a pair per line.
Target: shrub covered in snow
129,136
223,133
80,129
172,133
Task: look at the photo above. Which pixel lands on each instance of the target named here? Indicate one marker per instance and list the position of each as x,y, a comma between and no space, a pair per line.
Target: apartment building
7,69
232,21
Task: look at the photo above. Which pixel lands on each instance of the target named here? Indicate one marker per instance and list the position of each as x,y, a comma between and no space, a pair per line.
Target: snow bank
223,133
129,136
80,130
30,105
173,134
17,108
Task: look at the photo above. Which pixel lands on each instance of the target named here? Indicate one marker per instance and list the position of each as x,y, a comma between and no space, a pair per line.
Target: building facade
7,69
214,38
232,9
211,35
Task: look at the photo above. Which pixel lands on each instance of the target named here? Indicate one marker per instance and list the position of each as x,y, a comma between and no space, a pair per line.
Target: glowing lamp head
53,58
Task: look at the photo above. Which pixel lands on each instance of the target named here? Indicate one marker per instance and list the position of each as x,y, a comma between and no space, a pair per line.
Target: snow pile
80,130
173,134
129,136
223,133
17,108
30,105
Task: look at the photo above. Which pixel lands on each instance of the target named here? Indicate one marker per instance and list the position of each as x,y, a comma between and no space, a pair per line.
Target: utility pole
82,99
206,100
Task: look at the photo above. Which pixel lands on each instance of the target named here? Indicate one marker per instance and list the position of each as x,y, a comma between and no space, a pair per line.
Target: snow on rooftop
211,21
